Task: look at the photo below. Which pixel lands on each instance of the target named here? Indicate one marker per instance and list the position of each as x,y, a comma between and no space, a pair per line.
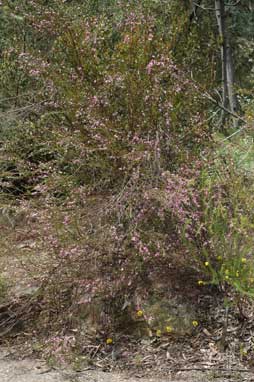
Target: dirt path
36,371
29,370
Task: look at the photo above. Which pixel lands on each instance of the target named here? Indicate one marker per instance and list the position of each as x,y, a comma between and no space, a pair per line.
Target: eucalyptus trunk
229,100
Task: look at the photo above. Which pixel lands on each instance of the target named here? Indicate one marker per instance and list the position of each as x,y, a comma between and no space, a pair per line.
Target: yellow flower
237,273
226,271
139,313
109,341
195,323
219,258
169,329
206,263
200,282
158,333
243,260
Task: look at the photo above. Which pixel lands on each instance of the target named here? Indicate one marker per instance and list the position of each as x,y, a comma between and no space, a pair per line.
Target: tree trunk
229,100
220,15
230,79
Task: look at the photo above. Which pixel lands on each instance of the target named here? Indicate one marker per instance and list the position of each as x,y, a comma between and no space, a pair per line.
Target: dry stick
236,132
203,8
15,97
27,107
10,322
210,369
213,100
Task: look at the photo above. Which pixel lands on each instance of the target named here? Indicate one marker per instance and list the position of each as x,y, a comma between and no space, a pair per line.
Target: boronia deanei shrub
116,117
115,99
117,137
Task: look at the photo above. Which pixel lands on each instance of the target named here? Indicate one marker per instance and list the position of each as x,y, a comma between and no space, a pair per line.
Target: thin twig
17,96
210,369
213,100
21,108
233,5
204,8
246,125
231,135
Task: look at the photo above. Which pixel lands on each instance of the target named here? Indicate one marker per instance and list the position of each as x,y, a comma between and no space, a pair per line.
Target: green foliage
225,234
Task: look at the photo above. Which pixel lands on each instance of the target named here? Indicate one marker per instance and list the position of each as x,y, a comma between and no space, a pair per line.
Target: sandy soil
30,370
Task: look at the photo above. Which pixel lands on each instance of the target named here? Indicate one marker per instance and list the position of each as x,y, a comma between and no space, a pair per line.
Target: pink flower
150,66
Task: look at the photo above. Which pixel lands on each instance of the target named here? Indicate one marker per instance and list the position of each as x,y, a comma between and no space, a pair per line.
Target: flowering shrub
115,103
112,144
114,133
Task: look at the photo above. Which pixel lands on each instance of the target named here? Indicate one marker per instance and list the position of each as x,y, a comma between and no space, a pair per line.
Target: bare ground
33,370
